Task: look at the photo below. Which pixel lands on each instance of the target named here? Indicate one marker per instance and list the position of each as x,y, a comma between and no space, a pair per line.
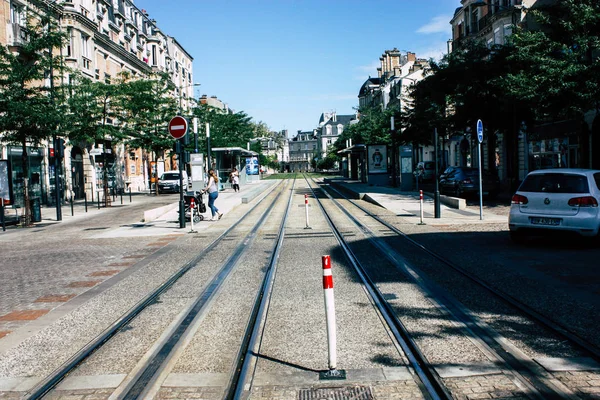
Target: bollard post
192,207
85,201
306,207
2,214
421,201
98,200
130,194
121,197
333,372
72,211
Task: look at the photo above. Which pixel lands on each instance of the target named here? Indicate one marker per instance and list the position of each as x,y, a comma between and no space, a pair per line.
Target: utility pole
436,199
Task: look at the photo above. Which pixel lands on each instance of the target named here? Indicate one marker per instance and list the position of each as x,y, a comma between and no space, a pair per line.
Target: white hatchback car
556,200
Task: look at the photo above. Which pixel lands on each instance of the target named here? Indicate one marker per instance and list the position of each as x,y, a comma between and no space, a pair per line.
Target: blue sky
284,62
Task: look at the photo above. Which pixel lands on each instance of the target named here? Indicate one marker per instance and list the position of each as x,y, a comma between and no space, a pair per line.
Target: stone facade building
105,39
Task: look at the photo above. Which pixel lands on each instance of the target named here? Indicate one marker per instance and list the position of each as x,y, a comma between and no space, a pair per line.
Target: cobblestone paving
586,384
405,390
51,263
497,386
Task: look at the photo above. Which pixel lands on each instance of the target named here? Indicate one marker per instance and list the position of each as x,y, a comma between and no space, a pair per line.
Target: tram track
535,381
144,375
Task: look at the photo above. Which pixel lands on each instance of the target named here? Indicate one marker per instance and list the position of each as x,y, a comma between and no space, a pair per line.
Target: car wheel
517,237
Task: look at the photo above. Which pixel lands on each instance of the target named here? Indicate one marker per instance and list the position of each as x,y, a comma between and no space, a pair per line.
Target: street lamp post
181,95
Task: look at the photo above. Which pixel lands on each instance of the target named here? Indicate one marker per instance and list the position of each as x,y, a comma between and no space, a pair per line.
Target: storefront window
551,153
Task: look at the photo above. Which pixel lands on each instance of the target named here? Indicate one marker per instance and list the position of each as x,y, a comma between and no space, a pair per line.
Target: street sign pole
178,127
181,201
437,211
479,140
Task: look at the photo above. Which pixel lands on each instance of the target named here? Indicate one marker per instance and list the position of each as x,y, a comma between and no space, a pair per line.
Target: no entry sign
178,127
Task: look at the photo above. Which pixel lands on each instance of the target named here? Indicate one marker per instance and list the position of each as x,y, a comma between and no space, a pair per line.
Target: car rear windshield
170,177
555,183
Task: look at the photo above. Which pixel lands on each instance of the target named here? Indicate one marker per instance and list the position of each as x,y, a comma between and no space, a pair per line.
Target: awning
355,149
240,150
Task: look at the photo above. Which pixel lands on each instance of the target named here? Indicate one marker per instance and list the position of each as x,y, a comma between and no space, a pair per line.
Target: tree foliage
147,107
27,109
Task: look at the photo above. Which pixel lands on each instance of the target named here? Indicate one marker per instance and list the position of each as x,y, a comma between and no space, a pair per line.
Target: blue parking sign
479,130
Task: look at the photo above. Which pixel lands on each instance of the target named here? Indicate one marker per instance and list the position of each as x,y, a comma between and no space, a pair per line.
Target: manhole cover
343,393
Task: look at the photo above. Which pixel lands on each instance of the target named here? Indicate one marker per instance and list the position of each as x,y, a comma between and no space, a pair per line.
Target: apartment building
554,144
303,150
105,38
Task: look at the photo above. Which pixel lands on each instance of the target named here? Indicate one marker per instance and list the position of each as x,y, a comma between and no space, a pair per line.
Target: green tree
148,106
95,117
558,63
28,114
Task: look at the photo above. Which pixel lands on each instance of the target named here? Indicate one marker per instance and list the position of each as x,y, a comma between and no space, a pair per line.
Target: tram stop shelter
226,158
354,162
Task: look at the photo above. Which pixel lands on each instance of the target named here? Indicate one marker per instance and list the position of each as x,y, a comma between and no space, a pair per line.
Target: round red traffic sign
178,127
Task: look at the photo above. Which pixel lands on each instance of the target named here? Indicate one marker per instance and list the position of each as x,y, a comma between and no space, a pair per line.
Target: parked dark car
464,182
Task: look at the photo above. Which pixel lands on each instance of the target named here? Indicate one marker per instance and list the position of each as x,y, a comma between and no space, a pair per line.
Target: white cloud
435,51
439,24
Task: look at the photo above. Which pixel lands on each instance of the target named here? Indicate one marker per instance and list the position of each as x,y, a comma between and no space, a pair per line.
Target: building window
340,129
17,15
154,60
132,169
507,31
85,51
497,36
68,50
328,129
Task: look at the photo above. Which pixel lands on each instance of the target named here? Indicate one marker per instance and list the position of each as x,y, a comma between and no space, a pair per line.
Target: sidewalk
407,205
161,211
165,220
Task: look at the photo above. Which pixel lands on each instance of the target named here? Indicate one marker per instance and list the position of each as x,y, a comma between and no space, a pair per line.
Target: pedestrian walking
234,178
212,187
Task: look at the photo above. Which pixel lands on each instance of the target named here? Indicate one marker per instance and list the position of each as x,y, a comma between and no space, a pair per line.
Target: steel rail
54,378
138,388
540,387
432,384
246,361
548,323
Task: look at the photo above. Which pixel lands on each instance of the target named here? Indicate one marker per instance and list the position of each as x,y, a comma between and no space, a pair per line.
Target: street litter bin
36,209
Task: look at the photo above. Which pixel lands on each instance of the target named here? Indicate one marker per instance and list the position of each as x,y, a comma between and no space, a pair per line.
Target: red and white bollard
192,208
306,208
333,372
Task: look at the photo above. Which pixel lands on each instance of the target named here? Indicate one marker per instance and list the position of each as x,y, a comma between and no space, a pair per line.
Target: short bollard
421,202
121,196
192,207
98,200
130,194
333,372
306,207
72,211
86,201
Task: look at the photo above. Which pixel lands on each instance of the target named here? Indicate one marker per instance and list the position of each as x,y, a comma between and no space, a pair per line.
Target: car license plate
545,221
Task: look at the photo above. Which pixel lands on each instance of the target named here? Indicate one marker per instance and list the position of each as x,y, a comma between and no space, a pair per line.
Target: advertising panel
377,159
5,183
252,166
